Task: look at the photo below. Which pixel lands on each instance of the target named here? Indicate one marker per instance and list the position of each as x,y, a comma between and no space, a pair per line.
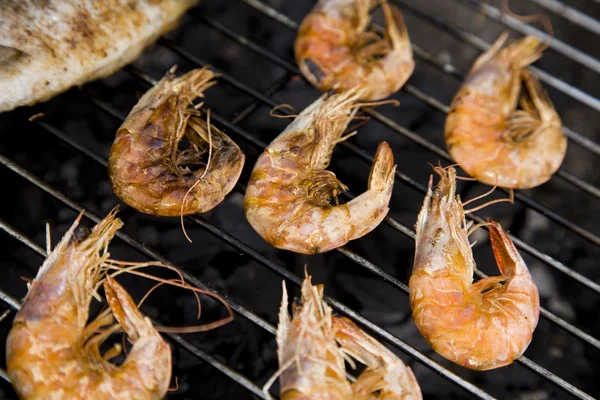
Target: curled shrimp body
53,354
313,345
287,199
492,140
482,325
150,173
334,50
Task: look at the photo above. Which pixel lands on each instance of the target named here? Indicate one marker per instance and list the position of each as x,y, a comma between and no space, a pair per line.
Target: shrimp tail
525,51
491,52
382,173
507,257
150,358
538,102
385,373
396,30
520,53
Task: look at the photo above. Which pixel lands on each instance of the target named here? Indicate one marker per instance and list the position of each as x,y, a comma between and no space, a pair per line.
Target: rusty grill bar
265,98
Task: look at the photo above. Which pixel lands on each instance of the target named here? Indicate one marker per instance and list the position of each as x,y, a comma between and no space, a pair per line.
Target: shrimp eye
81,233
314,69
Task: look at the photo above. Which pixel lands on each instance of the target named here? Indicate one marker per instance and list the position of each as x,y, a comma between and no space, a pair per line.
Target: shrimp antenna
285,106
199,180
273,378
395,102
131,268
176,388
163,283
475,227
511,198
362,121
532,18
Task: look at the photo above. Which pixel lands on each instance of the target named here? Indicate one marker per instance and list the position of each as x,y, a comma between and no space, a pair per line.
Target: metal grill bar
482,45
3,375
190,347
538,369
524,29
570,14
539,207
281,271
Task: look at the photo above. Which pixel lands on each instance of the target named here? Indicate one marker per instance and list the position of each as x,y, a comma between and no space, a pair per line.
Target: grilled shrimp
53,354
386,376
288,195
335,51
313,345
311,364
482,325
150,173
485,133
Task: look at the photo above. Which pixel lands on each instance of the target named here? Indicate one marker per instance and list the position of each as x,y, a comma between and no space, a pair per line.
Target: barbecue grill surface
55,165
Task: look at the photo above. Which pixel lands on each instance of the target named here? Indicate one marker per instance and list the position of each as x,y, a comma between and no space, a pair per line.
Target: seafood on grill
487,135
147,169
47,47
313,345
287,200
52,352
481,325
335,50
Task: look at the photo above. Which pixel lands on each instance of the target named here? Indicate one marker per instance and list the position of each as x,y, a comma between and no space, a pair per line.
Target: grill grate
264,98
